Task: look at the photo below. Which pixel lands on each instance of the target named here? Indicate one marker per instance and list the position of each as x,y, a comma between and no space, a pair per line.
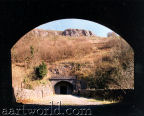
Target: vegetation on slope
102,62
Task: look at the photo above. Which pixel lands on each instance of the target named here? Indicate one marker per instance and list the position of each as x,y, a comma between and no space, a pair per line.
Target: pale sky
61,25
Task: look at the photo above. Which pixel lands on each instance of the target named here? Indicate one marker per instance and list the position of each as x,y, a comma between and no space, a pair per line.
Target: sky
61,25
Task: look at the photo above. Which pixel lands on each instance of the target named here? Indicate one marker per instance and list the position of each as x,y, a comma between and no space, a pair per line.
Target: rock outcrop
44,33
111,34
77,32
67,32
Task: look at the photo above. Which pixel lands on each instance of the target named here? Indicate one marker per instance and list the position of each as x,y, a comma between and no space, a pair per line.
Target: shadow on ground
125,108
117,109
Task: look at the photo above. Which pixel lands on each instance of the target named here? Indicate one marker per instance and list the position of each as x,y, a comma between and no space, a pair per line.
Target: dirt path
68,100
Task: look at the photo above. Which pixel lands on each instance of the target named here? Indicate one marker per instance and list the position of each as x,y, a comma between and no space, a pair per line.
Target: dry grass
49,49
17,76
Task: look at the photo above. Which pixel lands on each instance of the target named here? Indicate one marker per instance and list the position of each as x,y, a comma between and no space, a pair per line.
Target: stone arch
68,87
19,29
63,87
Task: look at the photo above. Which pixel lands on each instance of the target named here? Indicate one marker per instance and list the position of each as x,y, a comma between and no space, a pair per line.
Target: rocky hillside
77,32
44,33
105,62
67,32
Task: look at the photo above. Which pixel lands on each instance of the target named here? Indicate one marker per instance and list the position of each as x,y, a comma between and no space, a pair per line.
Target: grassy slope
92,54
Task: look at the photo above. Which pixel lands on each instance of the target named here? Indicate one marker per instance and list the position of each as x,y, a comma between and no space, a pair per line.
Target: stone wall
37,93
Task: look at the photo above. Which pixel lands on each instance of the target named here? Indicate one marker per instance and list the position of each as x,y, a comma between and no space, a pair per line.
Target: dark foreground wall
125,17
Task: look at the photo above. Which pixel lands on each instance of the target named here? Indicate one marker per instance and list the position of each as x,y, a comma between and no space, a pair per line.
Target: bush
41,70
32,50
105,75
28,86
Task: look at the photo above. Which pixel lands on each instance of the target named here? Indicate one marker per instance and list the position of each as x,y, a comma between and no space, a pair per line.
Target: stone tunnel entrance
63,87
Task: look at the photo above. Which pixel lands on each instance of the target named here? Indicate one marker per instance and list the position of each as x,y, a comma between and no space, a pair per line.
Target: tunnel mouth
63,88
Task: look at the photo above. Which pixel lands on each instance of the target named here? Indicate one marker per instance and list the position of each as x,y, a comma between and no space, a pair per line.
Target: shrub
104,75
28,86
41,70
32,50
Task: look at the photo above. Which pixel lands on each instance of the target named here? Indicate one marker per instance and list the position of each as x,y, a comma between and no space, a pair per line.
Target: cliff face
44,33
77,32
67,32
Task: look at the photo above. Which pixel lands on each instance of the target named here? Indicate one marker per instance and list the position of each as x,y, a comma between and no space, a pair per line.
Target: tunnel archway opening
63,87
113,59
